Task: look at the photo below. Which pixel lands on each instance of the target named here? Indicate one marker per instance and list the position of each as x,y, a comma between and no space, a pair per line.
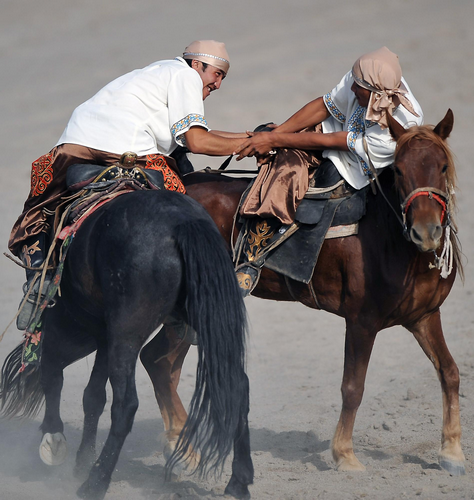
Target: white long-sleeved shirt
146,111
348,116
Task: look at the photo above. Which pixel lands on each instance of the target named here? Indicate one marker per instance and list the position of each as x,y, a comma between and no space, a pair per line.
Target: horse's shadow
305,447
413,459
140,464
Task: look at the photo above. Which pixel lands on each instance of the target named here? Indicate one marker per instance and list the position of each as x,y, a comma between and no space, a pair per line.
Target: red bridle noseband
440,196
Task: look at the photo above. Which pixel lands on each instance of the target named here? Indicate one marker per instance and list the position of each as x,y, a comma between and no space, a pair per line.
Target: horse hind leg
429,334
358,348
122,360
242,467
163,359
93,403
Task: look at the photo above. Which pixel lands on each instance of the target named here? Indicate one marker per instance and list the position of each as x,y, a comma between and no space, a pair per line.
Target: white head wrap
209,52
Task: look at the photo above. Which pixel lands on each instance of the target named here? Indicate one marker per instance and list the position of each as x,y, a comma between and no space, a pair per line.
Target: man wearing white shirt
354,110
149,111
346,127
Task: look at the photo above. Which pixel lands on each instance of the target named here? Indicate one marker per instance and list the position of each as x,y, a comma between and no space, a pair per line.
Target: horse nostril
426,237
415,236
437,233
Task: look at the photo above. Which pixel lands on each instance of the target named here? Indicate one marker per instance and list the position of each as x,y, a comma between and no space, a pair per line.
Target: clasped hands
258,144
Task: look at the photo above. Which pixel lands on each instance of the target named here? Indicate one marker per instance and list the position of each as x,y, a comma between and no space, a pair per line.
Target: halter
433,194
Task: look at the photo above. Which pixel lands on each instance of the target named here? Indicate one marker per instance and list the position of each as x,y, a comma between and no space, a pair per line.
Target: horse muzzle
427,237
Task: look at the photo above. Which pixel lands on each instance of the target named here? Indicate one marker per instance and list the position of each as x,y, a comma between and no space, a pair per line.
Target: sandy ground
54,54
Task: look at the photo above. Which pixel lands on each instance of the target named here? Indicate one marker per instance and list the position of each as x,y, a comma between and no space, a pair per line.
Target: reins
373,177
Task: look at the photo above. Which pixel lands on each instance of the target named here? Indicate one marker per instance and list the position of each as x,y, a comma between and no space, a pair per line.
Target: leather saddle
293,250
80,176
328,184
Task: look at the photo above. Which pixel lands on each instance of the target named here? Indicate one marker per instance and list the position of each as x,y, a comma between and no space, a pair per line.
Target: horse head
424,176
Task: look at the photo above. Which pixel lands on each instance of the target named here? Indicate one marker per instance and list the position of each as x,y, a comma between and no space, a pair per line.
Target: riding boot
247,276
258,237
33,254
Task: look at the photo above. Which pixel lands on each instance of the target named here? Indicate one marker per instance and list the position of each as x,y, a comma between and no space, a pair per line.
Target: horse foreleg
53,448
429,334
358,348
163,359
242,467
93,403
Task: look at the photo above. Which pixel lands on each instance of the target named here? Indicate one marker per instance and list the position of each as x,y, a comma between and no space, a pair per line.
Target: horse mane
426,132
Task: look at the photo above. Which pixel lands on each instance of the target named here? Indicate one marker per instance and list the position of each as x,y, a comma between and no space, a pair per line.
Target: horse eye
397,171
444,169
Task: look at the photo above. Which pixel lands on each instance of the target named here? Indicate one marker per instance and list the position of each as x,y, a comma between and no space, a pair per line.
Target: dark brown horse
385,275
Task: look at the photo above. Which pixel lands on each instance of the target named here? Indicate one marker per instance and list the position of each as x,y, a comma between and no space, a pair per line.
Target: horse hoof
53,448
454,468
350,466
237,490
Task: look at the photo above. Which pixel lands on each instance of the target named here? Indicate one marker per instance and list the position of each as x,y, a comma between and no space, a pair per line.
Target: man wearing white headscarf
352,117
149,111
355,109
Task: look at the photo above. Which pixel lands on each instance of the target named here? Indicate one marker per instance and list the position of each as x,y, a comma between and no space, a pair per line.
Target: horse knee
351,395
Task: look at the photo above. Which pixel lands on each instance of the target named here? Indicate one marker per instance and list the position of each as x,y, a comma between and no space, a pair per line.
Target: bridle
433,194
438,195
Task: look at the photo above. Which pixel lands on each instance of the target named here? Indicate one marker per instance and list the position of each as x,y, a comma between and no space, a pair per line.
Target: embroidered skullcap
380,72
210,52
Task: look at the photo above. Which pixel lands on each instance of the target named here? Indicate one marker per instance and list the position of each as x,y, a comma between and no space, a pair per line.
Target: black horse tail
216,311
21,394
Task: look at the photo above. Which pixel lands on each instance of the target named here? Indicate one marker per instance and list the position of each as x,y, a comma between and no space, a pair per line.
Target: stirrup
247,277
29,301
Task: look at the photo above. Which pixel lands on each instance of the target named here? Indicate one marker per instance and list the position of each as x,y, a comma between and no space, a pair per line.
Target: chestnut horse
381,277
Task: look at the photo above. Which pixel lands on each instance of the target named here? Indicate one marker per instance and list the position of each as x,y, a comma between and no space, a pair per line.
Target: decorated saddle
330,209
91,187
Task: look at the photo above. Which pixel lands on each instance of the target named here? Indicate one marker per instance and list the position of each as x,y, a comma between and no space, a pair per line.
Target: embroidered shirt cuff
355,145
179,128
333,109
351,141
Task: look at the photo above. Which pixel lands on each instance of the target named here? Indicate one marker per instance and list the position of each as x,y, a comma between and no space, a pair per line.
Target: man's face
362,95
211,77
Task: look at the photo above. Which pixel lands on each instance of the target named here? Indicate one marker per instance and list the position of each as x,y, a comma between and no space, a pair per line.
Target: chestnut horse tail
21,394
216,310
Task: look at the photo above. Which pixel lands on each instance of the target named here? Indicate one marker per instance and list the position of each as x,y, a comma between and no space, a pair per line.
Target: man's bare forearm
230,135
313,113
200,141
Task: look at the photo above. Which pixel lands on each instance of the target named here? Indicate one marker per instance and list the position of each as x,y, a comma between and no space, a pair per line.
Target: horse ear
444,127
396,129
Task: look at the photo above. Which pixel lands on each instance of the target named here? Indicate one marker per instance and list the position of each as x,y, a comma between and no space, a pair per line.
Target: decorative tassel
446,258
